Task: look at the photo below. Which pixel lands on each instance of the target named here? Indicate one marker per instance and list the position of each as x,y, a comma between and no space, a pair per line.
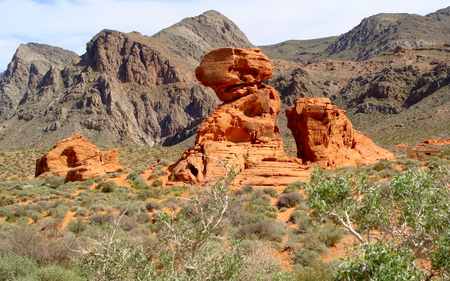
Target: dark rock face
126,89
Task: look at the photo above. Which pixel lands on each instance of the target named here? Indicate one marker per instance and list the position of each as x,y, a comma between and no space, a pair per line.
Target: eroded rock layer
243,131
78,159
325,135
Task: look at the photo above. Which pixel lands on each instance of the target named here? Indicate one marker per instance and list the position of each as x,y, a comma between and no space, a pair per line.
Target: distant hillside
373,36
126,89
391,74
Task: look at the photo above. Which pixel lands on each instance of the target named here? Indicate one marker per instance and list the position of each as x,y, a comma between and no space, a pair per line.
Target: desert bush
117,259
305,257
294,187
270,191
381,262
13,267
95,208
77,226
289,200
164,162
35,216
302,220
157,183
383,165
171,202
107,187
266,229
81,211
54,182
329,233
152,205
143,218
130,209
157,172
55,273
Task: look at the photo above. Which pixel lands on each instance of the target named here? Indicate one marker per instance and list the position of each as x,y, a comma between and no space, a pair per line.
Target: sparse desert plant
152,205
270,191
107,187
289,200
266,229
294,187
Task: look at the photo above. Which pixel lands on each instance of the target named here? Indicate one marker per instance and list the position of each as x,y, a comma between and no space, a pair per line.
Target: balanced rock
243,131
78,159
325,135
233,72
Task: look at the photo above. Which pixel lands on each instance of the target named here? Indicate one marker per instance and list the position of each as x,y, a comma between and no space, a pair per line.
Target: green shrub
81,211
13,266
152,205
55,273
157,183
377,261
266,229
54,182
270,191
294,187
77,226
330,234
157,172
107,187
305,257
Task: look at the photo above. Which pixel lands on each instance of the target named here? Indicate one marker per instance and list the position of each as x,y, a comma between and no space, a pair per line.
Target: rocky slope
391,77
126,88
373,36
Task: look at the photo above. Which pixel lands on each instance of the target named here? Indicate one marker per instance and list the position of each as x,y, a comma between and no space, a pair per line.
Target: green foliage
270,191
55,273
377,261
266,229
117,260
13,266
107,187
294,187
157,183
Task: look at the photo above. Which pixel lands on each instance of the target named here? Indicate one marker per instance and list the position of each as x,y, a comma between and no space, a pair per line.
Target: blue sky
70,24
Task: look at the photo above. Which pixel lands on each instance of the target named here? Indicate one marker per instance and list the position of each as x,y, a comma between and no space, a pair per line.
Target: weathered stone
233,72
78,159
96,166
324,135
243,131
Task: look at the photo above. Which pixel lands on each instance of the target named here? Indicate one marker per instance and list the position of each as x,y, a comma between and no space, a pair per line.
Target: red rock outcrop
433,141
325,135
78,159
243,131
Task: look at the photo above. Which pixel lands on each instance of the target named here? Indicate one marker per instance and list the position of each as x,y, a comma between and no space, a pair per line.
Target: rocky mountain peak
195,36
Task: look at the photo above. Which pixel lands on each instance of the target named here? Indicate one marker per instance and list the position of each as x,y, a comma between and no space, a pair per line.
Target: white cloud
70,24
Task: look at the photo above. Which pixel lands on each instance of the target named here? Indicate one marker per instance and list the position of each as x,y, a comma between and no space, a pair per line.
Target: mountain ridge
134,89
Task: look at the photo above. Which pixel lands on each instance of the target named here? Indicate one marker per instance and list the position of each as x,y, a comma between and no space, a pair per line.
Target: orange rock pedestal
325,135
243,131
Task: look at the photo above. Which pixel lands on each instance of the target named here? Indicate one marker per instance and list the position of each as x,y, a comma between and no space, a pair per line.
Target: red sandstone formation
77,158
243,131
433,141
234,73
324,135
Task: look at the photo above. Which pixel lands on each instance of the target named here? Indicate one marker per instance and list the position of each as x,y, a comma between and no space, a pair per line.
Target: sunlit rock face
324,135
243,131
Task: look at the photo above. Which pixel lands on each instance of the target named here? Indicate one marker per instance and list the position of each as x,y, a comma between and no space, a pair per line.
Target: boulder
233,72
96,166
78,159
324,135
